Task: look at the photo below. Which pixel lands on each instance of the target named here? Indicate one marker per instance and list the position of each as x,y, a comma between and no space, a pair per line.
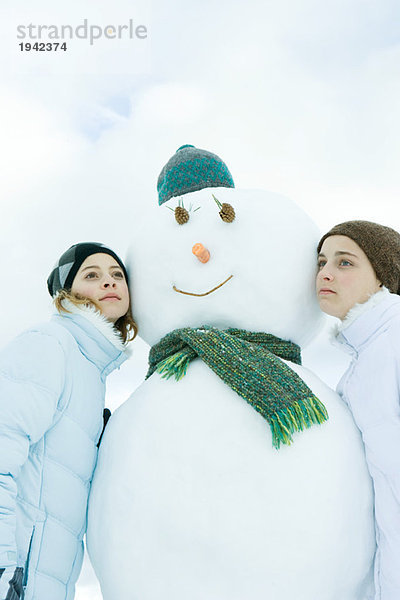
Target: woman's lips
326,291
110,298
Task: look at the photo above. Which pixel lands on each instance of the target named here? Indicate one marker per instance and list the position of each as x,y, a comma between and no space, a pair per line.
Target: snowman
232,472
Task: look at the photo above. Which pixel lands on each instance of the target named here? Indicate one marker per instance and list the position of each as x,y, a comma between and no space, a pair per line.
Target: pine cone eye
227,213
181,215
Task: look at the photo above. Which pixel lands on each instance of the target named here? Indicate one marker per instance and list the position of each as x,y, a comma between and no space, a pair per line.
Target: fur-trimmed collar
360,309
99,321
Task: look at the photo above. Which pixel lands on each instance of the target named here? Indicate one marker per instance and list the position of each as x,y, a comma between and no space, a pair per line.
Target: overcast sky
300,97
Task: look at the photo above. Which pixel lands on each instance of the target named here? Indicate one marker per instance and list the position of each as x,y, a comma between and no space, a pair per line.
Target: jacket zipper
25,579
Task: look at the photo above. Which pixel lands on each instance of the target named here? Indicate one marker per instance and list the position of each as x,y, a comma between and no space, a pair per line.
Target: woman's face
345,276
101,279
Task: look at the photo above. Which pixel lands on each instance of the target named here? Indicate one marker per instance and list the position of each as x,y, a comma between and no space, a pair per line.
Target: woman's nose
108,281
325,274
201,253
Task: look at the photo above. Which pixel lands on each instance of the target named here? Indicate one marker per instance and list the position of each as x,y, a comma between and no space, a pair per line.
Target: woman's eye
321,263
91,275
345,263
118,274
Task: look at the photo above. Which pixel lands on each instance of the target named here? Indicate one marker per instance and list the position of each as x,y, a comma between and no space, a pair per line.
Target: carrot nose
202,253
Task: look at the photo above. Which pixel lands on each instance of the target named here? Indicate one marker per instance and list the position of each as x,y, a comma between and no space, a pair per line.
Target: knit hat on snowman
191,169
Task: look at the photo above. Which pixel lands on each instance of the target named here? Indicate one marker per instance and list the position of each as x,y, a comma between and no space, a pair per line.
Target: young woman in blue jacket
52,387
358,281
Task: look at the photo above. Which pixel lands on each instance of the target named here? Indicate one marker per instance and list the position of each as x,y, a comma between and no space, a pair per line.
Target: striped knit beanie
191,169
63,274
381,244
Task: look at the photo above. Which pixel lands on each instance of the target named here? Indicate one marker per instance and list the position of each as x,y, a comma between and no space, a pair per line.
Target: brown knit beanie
381,245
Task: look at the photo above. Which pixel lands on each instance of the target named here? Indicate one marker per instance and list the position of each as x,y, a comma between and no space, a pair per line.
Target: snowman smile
205,293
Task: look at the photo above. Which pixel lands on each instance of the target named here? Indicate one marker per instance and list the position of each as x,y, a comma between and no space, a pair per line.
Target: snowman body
190,499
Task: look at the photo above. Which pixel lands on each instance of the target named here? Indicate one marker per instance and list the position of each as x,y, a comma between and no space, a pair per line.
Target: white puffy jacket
371,388
52,387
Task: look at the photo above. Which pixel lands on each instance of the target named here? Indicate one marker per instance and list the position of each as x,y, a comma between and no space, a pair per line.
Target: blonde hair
126,324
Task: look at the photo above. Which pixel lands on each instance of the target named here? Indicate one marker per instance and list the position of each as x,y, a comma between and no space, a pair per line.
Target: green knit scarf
247,362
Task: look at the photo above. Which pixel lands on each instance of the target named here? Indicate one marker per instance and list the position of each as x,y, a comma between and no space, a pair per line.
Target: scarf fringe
301,415
174,366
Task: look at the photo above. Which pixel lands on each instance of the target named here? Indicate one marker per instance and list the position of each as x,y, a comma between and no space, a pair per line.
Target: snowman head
223,257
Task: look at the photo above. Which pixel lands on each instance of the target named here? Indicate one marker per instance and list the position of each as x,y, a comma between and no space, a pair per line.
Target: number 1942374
42,46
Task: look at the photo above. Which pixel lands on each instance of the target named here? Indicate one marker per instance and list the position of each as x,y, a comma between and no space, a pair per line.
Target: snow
189,498
161,254
307,105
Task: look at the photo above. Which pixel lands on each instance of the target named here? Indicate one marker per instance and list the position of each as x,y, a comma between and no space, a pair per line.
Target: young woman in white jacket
52,387
358,281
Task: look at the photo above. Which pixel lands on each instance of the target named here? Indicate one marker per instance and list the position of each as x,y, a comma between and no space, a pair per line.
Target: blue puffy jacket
52,387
